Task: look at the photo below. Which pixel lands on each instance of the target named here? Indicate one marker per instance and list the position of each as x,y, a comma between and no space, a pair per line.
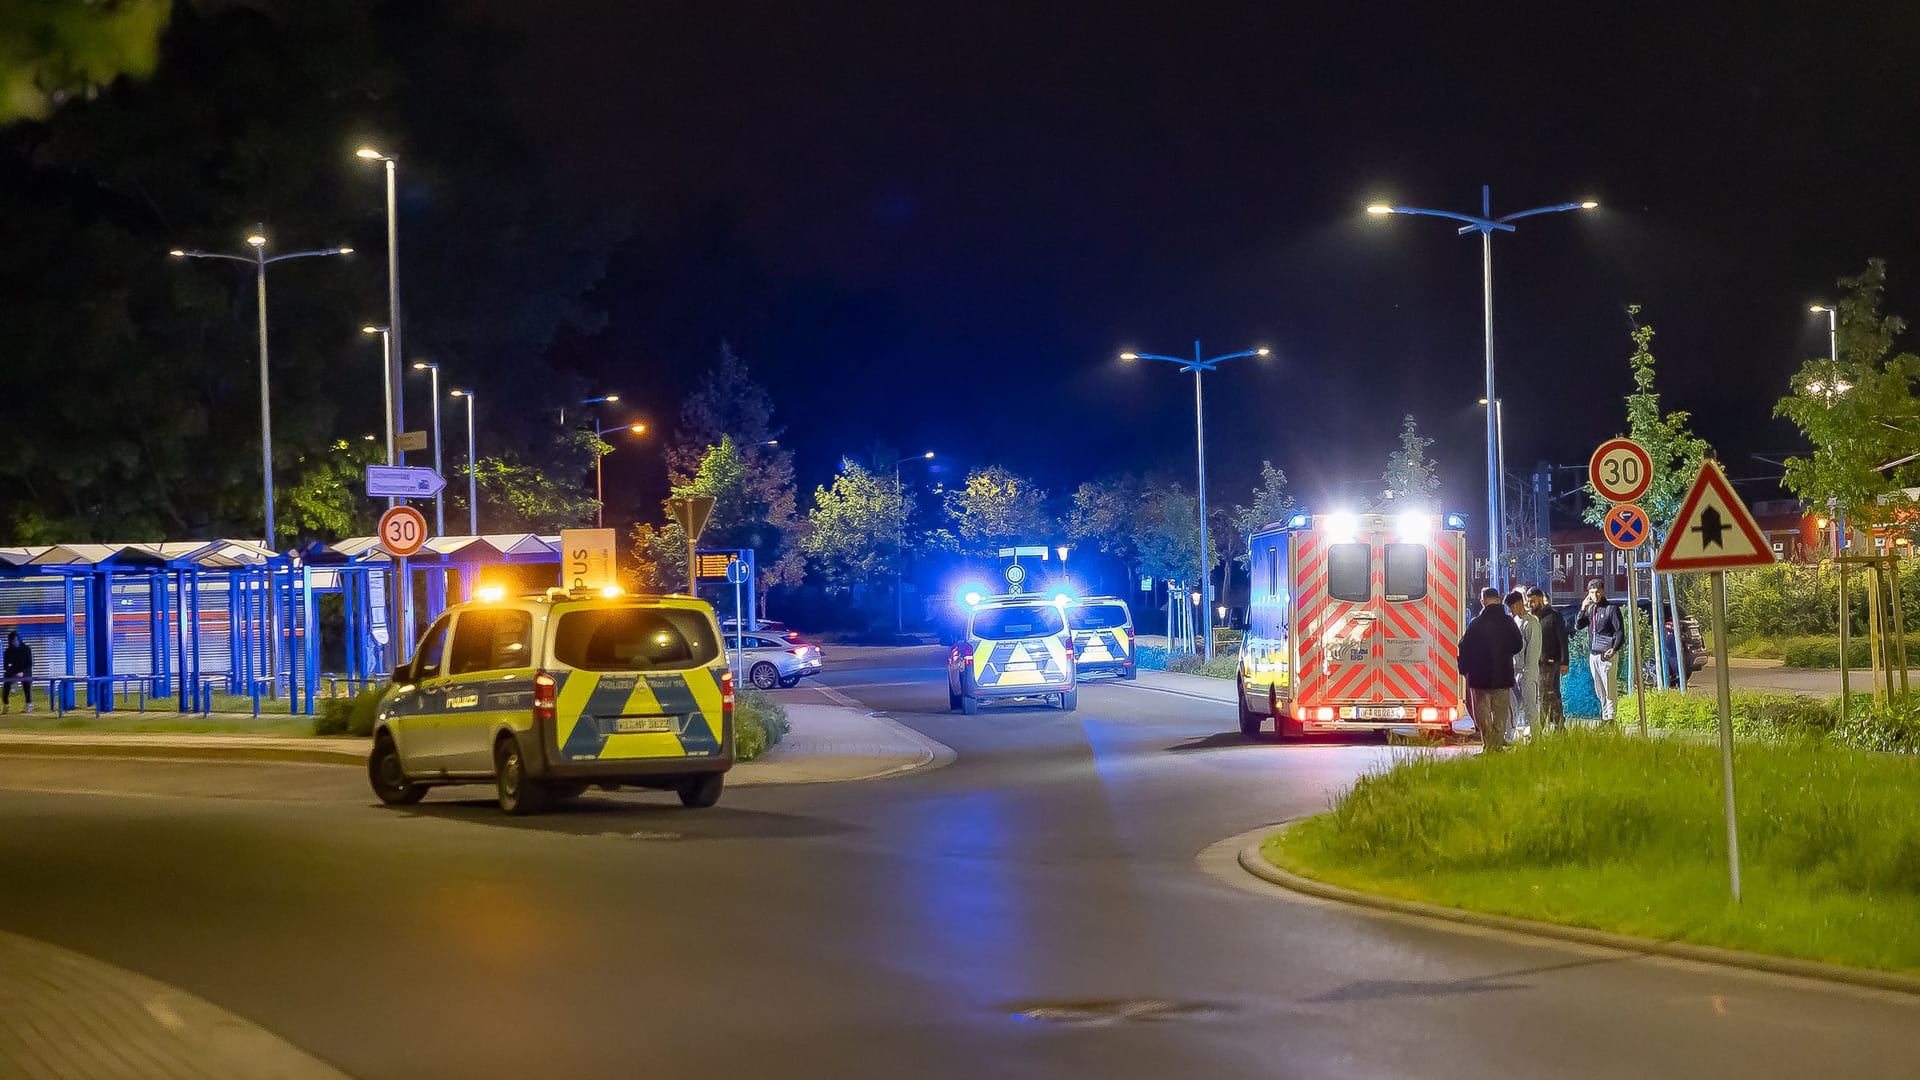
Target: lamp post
631,429
257,240
1200,367
599,488
1833,387
473,484
386,381
1500,458
432,368
899,495
395,350
1486,225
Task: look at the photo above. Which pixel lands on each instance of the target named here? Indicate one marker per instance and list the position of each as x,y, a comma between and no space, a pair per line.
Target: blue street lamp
1486,225
1200,367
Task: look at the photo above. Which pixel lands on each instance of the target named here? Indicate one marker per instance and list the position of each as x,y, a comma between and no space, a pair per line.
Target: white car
770,660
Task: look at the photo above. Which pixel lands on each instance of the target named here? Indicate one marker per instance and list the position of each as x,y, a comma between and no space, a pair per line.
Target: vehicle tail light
963,652
1452,715
1429,714
545,689
1069,645
726,692
1324,712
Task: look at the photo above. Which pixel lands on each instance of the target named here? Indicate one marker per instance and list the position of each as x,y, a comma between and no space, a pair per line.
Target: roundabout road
1037,908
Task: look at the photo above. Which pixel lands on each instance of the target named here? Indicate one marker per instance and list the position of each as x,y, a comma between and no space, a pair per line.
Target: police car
543,696
1012,647
1102,629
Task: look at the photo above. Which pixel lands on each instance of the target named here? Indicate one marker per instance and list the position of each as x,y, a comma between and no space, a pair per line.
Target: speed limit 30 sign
1620,470
403,530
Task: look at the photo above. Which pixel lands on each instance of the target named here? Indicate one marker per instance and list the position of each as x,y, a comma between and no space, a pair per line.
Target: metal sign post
737,573
692,513
1636,679
1721,674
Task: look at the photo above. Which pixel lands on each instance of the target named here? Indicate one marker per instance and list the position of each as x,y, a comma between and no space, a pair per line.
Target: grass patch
1602,830
1224,665
759,723
168,723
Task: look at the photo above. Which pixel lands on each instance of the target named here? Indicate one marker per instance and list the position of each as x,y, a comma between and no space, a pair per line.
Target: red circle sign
403,530
1620,470
1627,526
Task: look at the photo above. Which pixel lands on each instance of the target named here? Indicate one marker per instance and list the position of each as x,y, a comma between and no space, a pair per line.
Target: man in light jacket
1526,666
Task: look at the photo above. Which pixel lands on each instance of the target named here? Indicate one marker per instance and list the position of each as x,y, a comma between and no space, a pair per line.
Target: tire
1250,721
789,682
1131,671
519,793
702,791
1070,701
953,699
389,780
572,789
969,705
763,676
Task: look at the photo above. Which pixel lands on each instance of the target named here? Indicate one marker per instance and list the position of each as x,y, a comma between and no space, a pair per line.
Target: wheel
519,793
572,789
388,778
969,705
953,699
764,675
1070,701
789,682
1130,672
1250,721
701,791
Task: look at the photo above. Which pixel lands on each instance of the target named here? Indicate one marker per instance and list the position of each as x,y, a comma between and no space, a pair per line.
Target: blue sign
402,482
737,572
1627,526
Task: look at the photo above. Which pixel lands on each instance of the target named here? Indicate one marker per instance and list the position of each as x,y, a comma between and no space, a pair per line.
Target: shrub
1220,667
759,723
1820,653
1151,657
1893,727
1755,715
365,707
332,718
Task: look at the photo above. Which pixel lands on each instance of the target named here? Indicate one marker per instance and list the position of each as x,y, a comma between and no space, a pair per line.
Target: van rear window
1096,616
1025,620
634,639
1350,572
1406,571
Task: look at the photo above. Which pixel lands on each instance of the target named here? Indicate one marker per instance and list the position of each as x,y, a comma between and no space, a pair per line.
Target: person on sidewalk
1600,617
1553,659
17,663
1526,667
1486,657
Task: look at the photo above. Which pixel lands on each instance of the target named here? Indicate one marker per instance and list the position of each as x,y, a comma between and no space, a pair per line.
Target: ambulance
1354,625
543,696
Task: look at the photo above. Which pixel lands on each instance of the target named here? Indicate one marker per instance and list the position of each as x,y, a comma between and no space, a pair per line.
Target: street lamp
394,351
386,381
631,429
1500,455
899,495
599,496
1831,388
1486,225
473,485
1199,367
432,368
260,260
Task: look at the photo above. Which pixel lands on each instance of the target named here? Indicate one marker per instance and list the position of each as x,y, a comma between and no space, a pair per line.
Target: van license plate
1025,665
640,725
1378,712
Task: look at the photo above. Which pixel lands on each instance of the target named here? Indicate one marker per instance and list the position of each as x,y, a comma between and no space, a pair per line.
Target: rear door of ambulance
636,681
1337,622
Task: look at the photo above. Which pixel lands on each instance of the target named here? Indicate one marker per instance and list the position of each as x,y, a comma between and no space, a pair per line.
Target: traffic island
1606,839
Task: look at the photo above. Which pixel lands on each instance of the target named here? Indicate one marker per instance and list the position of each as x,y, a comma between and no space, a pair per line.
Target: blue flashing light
1456,521
1299,521
1061,599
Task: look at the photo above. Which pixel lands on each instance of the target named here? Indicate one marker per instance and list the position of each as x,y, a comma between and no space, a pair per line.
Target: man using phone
1601,619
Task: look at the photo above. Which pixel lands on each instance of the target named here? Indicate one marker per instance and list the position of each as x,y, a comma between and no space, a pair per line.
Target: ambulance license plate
1378,712
641,725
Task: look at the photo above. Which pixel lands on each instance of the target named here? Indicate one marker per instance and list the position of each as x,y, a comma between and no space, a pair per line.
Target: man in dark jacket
1605,634
1487,650
1553,657
18,664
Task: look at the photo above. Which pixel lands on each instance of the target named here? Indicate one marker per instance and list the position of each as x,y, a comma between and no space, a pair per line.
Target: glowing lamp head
257,239
1818,309
421,365
1341,528
1589,205
1263,351
1379,208
611,591
178,253
1129,356
371,329
637,429
973,598
1061,600
368,153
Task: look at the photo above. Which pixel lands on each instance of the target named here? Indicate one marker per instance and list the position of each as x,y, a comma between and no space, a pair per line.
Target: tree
328,503
53,50
1271,503
1675,450
519,496
857,528
1412,480
997,508
740,519
1856,415
1167,533
1103,516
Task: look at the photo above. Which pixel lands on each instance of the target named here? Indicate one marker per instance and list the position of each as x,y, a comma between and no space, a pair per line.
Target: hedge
1892,728
759,723
1826,653
349,716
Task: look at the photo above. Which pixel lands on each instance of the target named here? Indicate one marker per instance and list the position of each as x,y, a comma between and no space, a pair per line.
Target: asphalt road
1038,908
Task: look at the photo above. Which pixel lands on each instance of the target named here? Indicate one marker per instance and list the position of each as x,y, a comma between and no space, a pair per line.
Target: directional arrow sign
402,482
1714,530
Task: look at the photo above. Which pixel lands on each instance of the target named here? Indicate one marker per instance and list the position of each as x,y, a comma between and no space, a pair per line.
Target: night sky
934,227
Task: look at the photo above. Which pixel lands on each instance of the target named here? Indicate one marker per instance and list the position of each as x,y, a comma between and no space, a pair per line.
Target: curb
1137,685
179,752
1256,864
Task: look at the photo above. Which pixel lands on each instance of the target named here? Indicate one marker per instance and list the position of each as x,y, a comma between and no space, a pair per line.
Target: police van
1354,624
543,696
1012,647
1102,629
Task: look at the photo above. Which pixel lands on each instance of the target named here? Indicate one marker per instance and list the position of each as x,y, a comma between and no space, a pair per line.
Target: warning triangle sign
1714,531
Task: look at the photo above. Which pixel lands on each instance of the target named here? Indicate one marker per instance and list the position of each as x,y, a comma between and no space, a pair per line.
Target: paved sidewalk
828,743
64,1015
1202,687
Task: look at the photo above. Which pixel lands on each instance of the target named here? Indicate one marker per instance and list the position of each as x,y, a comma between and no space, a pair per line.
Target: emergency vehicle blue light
1456,521
1061,599
1299,521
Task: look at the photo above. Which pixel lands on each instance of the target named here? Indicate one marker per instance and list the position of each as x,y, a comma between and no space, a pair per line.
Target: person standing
1601,619
1526,666
17,663
1486,657
1553,659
